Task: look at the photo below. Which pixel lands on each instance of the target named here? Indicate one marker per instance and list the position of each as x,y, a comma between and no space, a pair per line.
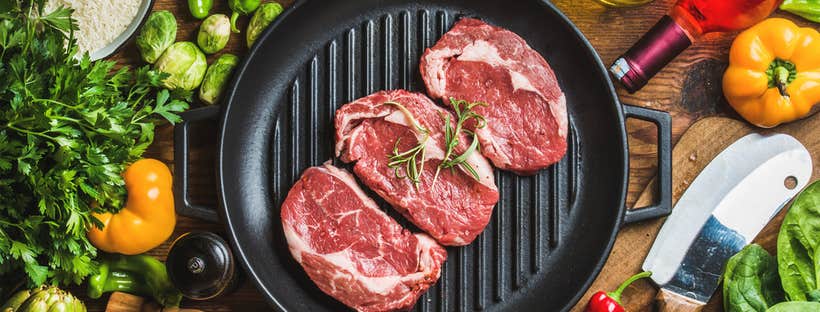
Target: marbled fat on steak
526,116
454,207
351,249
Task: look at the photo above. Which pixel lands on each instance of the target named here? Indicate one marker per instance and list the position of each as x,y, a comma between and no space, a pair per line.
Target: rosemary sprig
464,112
413,159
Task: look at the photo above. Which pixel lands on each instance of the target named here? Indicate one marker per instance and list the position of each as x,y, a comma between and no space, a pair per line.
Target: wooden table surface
689,88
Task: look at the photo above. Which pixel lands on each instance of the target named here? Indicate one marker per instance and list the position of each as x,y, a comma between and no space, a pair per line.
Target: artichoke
15,301
185,64
158,33
214,33
261,19
216,78
45,298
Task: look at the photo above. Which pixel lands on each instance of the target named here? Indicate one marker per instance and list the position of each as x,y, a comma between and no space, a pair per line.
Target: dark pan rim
624,152
243,67
225,212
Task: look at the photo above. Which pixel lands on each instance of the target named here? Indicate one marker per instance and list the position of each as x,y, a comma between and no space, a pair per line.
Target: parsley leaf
68,129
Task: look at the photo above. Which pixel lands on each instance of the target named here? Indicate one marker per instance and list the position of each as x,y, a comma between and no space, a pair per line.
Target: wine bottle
686,22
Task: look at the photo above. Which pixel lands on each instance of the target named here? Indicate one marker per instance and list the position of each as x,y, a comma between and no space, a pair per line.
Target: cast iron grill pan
382,53
550,233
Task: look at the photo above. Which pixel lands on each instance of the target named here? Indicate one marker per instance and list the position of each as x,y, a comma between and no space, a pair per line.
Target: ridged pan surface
550,233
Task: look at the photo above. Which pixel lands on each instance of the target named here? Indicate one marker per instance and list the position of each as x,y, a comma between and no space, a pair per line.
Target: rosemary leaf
464,112
412,160
463,157
472,171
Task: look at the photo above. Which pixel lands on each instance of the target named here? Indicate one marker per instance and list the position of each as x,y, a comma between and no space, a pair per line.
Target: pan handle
664,204
182,135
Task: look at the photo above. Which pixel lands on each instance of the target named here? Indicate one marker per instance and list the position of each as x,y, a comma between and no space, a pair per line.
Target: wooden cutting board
695,149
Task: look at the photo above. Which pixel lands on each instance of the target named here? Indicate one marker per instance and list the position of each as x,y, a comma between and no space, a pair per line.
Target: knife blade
722,211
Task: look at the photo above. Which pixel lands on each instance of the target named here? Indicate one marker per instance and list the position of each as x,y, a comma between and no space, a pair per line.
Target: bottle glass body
704,16
687,21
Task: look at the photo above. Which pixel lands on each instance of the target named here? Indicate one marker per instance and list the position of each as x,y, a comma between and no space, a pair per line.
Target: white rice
100,21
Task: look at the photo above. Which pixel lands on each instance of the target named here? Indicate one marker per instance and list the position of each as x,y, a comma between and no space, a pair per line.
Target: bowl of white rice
104,25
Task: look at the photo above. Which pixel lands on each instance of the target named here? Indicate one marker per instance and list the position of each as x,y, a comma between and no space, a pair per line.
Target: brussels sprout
158,33
216,78
185,64
261,19
243,7
214,33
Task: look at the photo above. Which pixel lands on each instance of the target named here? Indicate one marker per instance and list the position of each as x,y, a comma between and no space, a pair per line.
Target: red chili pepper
611,302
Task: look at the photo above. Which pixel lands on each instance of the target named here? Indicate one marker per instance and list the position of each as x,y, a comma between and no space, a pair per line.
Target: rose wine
688,20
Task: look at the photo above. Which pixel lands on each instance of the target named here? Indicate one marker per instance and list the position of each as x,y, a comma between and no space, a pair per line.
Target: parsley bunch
68,129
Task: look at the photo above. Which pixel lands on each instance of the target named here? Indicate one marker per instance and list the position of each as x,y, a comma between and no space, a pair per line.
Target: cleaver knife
722,211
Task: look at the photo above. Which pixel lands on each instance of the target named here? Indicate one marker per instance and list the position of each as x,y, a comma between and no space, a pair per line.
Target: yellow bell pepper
774,72
147,219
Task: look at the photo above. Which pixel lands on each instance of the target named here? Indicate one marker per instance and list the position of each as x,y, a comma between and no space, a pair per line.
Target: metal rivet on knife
790,182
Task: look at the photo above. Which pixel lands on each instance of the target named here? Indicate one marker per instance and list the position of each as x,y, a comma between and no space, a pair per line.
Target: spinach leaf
797,246
750,282
795,306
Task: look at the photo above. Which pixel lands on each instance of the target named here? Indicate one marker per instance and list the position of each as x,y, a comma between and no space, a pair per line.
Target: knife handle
669,301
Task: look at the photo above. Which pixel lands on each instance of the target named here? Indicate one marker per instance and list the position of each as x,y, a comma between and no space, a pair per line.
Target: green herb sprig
452,132
68,129
412,160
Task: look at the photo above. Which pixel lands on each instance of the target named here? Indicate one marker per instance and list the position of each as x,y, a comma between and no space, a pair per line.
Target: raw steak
526,117
351,249
454,207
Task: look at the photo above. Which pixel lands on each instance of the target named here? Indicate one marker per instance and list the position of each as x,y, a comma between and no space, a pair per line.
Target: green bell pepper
243,7
808,9
200,8
138,275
